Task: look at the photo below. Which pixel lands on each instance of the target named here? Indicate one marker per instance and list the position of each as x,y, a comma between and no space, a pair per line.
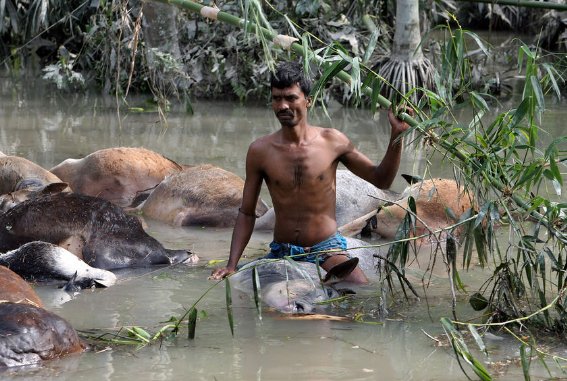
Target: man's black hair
289,73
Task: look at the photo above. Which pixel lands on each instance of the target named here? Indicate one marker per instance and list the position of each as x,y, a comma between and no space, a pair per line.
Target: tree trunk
407,36
406,67
160,28
166,73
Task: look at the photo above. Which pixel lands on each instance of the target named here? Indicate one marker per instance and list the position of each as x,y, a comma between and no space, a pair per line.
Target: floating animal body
121,175
29,333
97,231
293,287
202,195
439,204
43,261
20,178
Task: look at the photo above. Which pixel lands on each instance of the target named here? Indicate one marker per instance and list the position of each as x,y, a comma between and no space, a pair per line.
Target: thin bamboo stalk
382,101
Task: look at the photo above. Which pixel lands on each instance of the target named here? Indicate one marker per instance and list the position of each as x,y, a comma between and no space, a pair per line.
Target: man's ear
309,101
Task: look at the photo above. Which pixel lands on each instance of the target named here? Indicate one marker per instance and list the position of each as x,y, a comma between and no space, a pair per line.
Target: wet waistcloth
280,250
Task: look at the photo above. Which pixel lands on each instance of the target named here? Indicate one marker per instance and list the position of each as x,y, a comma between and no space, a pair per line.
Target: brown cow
439,204
28,333
118,174
19,173
19,177
203,195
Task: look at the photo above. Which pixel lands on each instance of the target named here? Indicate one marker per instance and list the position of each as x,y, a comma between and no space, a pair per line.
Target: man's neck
296,134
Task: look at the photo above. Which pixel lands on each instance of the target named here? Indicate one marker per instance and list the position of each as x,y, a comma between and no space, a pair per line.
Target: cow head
25,191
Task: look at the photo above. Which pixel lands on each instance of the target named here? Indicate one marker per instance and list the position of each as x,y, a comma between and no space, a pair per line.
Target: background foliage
102,43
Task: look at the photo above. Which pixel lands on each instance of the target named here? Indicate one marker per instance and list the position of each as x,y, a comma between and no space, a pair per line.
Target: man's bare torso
301,179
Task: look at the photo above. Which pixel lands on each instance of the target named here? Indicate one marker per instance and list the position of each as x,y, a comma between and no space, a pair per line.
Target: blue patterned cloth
280,250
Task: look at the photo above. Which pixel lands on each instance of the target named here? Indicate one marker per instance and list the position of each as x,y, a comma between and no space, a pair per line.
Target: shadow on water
408,345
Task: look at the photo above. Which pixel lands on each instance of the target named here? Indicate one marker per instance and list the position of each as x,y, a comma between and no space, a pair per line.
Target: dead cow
118,175
439,204
203,195
28,333
20,176
44,261
97,231
18,173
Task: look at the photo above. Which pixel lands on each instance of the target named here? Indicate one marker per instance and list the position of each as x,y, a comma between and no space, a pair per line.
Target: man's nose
281,106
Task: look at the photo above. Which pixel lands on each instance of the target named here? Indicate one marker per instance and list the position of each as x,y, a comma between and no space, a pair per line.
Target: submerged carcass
301,287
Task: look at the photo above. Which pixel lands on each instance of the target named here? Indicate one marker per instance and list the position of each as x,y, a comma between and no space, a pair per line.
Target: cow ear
412,179
54,188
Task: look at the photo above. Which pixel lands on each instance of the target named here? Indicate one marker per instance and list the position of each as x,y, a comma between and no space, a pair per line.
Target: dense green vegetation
121,46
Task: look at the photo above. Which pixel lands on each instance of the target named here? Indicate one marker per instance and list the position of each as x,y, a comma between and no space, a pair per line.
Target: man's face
290,105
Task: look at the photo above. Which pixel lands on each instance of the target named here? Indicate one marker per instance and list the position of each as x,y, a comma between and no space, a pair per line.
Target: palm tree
406,67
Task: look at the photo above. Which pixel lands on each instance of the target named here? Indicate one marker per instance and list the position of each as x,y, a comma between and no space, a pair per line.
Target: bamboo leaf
451,250
526,361
228,295
537,92
376,86
479,101
556,173
477,338
355,85
257,291
140,334
461,350
329,72
550,72
520,113
478,302
478,41
371,46
192,323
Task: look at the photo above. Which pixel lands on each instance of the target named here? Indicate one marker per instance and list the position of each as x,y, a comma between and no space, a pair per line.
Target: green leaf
330,71
140,334
478,302
520,113
371,46
192,323
477,338
550,72
229,305
536,87
526,361
478,41
479,101
451,250
257,291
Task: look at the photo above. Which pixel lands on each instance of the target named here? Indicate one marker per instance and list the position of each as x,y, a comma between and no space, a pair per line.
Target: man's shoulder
262,142
332,134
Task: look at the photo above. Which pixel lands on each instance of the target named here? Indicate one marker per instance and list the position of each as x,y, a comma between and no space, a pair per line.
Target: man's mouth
284,114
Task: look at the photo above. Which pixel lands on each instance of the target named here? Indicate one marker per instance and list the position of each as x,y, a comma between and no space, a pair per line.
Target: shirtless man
299,163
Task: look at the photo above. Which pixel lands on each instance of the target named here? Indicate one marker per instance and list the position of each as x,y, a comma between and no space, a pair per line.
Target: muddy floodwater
407,344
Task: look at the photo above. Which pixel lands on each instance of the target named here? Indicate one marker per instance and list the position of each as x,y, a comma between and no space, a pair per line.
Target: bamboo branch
381,100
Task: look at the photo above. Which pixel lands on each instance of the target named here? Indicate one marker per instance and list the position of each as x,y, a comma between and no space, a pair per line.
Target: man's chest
294,170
